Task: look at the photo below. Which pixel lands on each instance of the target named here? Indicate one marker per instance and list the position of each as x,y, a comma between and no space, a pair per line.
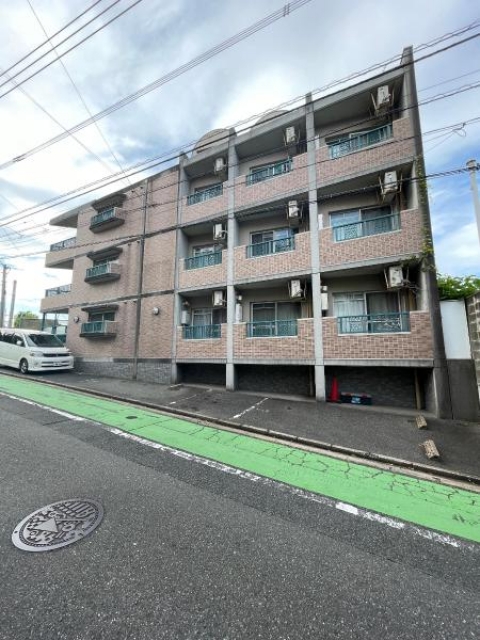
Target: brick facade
203,277
206,209
298,348
406,240
211,349
386,154
417,344
288,262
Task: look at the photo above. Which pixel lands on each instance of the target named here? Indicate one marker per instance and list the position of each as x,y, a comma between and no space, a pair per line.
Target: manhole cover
58,525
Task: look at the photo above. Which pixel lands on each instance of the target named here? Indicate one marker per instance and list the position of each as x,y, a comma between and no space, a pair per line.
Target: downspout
141,258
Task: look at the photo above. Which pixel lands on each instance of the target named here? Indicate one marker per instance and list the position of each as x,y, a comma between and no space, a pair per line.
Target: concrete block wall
296,261
417,344
297,348
406,240
204,277
211,349
385,154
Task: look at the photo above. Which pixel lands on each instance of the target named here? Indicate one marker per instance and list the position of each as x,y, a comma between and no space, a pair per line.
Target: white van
29,350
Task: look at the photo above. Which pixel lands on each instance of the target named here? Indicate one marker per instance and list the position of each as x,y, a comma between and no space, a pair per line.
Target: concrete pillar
232,238
320,393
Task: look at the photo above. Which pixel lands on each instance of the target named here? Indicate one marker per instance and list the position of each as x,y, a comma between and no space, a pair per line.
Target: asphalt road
186,551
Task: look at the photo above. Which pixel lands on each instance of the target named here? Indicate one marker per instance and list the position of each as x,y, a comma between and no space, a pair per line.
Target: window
358,140
270,319
205,193
101,317
204,256
266,171
375,312
273,241
205,324
357,223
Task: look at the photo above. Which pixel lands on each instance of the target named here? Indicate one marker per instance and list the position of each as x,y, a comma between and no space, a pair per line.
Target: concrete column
320,393
180,252
442,404
232,236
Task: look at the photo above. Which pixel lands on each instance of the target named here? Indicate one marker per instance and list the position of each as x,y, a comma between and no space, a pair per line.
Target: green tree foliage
454,287
24,315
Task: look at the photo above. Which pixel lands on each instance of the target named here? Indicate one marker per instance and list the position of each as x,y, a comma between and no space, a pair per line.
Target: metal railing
205,260
98,327
270,246
202,332
100,270
360,140
64,244
272,329
103,216
375,323
373,227
205,194
58,291
272,170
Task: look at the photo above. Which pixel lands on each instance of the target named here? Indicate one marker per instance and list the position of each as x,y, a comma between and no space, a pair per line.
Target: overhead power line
64,53
77,91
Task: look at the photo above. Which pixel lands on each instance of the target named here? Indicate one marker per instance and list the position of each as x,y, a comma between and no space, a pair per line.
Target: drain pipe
140,282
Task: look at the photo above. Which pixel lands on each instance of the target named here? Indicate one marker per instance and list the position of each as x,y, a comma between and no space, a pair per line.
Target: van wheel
23,366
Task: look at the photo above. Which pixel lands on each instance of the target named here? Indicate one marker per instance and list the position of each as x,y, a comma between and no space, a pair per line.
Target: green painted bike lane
439,507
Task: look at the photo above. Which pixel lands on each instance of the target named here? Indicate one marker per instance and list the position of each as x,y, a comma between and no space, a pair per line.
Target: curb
279,435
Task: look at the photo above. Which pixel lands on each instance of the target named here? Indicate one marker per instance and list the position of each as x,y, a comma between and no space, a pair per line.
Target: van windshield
43,340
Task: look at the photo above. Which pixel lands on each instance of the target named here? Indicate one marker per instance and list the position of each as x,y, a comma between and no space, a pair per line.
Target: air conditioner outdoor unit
294,210
295,288
291,135
219,165
218,299
185,316
395,277
219,231
389,185
383,99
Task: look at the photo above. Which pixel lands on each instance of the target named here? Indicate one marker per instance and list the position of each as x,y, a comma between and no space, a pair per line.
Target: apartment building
274,259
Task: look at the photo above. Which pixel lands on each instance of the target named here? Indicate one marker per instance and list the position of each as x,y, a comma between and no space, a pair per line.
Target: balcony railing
58,291
202,332
64,244
205,194
107,219
99,328
272,170
205,260
103,272
360,140
373,227
375,323
272,329
269,247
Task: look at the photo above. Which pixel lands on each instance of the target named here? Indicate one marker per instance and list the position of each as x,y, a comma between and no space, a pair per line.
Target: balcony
103,272
374,323
205,260
359,140
202,332
205,194
272,329
58,291
107,219
271,246
270,171
373,227
99,329
63,244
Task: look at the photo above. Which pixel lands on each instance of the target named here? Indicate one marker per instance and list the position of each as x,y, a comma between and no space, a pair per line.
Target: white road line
351,509
254,406
70,416
182,399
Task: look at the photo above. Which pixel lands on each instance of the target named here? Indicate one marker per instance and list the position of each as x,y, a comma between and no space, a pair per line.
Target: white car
28,350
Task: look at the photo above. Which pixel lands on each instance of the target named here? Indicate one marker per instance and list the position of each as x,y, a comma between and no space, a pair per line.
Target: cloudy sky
313,46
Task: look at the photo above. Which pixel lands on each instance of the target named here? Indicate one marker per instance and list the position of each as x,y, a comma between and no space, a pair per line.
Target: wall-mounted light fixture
76,319
155,311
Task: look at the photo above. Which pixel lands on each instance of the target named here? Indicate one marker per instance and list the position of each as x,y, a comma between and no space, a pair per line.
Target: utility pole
3,293
473,167
12,305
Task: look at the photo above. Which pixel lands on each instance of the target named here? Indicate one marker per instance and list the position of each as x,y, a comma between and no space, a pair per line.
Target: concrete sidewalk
389,435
